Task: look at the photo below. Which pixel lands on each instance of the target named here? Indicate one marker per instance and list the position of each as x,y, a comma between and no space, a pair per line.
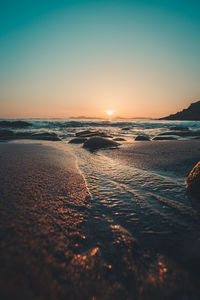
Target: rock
142,138
164,138
95,143
15,124
50,136
80,140
181,133
193,179
89,133
118,139
6,134
181,128
126,128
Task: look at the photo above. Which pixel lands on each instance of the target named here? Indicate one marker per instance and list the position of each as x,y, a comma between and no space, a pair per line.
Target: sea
138,218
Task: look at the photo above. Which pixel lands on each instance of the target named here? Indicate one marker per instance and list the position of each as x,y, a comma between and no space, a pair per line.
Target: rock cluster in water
15,124
9,135
193,179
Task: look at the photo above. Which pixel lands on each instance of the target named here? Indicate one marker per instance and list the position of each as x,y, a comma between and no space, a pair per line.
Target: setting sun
110,112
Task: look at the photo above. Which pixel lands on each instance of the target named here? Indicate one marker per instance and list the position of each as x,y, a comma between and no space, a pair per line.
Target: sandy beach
43,204
59,243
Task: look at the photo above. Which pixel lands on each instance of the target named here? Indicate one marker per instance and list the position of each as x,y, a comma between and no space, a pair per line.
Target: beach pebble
142,138
193,179
77,140
95,143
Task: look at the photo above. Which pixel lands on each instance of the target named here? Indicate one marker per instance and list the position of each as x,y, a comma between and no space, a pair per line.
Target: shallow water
144,218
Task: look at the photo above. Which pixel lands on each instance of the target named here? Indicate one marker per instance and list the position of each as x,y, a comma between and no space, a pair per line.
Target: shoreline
56,243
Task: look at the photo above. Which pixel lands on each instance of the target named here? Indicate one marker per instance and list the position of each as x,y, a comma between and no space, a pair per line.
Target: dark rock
181,133
142,138
164,138
77,140
89,133
50,136
118,139
192,113
181,128
126,128
15,124
6,134
193,179
95,143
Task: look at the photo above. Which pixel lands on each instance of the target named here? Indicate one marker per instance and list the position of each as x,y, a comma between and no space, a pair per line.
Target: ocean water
66,128
141,223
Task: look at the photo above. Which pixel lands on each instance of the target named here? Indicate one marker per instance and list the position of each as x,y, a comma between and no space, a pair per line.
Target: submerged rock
15,124
164,138
77,140
142,138
193,179
95,143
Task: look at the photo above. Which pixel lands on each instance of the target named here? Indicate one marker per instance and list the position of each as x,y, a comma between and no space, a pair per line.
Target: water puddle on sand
142,226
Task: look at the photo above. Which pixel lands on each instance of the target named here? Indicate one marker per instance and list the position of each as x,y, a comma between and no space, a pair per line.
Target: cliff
192,113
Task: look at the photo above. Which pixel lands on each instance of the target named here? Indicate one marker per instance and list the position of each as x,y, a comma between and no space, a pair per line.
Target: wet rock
15,124
126,128
80,140
142,138
50,136
95,143
6,134
164,138
89,133
193,179
118,139
181,133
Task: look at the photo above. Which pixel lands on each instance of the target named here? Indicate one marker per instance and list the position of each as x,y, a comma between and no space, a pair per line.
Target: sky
139,58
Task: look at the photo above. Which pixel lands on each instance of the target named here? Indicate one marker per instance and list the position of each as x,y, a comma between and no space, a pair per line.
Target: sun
110,112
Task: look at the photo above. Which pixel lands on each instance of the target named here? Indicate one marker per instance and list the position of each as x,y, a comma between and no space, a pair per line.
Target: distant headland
192,113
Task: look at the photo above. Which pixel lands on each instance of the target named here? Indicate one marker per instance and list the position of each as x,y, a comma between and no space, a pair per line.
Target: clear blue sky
63,58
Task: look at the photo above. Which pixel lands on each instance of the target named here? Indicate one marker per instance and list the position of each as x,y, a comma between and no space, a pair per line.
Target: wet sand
54,247
176,157
43,207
